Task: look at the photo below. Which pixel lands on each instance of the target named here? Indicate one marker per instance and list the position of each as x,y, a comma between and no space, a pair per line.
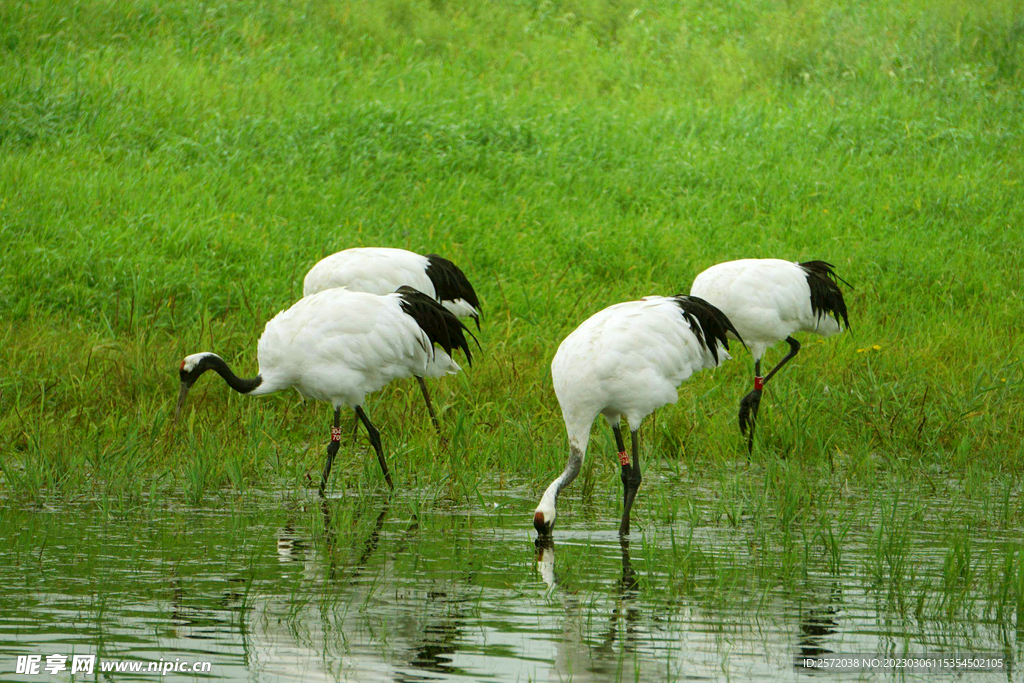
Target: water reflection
330,543
433,634
815,628
435,646
291,547
613,652
378,590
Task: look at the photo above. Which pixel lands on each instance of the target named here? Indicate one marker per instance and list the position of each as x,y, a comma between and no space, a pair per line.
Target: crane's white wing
339,346
376,270
766,299
626,360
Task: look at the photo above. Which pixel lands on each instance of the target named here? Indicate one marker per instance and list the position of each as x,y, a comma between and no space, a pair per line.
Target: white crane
768,300
381,270
625,362
339,346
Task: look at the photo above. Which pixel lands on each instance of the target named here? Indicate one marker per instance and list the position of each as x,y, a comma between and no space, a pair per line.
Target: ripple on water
273,589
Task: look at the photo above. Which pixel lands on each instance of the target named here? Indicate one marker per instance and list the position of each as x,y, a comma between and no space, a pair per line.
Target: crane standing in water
625,362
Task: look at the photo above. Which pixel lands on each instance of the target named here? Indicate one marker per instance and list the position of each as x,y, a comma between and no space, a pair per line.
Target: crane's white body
340,345
767,300
623,362
378,270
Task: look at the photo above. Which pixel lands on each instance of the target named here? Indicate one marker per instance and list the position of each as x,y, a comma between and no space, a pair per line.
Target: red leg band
623,458
335,433
758,383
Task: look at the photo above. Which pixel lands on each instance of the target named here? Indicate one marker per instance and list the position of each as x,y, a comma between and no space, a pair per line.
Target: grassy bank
170,170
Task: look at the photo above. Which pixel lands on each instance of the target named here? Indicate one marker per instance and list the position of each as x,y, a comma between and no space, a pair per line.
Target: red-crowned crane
382,270
625,362
339,346
768,300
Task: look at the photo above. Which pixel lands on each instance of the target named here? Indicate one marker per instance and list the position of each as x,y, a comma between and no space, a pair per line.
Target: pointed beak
182,393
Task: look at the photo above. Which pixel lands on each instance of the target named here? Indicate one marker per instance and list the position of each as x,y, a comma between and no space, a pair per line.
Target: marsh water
275,586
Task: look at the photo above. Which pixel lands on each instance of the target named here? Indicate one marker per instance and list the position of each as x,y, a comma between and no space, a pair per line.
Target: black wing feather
437,322
826,297
707,322
450,283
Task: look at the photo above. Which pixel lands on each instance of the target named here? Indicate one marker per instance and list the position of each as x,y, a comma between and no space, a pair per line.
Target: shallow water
276,587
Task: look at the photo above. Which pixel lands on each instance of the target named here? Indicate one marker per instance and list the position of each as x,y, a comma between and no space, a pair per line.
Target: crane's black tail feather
826,297
437,322
451,284
707,322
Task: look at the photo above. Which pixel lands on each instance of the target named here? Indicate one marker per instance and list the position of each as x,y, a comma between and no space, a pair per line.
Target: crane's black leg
332,449
623,461
749,406
430,406
634,483
752,401
794,348
375,442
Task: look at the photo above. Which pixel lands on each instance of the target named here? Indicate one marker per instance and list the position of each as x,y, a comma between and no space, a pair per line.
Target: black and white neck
195,365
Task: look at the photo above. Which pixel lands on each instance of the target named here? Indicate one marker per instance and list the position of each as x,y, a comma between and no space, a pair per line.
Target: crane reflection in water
614,652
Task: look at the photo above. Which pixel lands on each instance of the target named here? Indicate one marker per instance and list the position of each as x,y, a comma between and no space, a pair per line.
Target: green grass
171,169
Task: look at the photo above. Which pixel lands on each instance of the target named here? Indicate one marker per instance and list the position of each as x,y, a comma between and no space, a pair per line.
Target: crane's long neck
239,384
577,428
195,365
572,469
578,439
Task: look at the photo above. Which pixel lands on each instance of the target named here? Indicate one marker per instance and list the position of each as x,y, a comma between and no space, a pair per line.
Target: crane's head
191,368
544,517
